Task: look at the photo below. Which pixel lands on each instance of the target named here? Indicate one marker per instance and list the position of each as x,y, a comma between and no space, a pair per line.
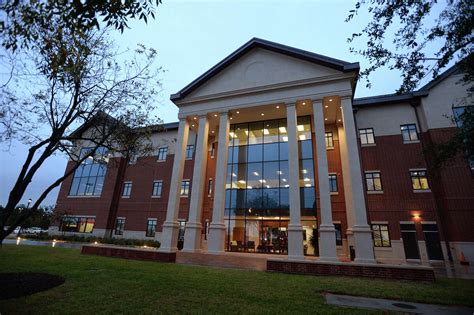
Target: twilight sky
192,36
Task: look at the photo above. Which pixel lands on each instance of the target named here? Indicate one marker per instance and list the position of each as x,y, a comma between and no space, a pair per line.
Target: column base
192,237
364,248
216,240
295,242
169,237
327,243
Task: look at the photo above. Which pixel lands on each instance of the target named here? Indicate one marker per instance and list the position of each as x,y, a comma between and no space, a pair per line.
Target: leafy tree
398,37
26,20
69,87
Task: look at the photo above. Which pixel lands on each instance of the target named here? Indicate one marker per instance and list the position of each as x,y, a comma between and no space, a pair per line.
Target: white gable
259,68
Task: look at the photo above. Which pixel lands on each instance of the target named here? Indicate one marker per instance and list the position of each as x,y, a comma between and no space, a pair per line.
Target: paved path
393,305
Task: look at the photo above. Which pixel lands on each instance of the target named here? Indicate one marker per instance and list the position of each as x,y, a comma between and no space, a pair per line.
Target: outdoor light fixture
326,106
330,99
237,112
278,106
304,103
416,216
262,114
215,115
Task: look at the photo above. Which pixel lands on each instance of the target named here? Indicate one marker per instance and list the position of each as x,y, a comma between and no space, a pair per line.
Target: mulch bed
14,285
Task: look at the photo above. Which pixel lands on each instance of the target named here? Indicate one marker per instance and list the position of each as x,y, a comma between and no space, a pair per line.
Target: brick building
273,154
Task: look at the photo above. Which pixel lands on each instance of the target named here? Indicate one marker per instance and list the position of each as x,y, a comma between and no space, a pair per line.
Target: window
77,224
209,187
333,183
462,115
162,152
182,228
127,189
88,178
133,159
185,188
419,180
213,149
373,180
119,226
151,228
157,187
337,227
189,152
329,140
381,235
367,136
409,132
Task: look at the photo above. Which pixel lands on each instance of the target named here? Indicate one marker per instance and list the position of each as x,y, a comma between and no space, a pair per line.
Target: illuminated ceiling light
262,181
283,180
285,139
265,131
246,132
304,103
330,99
262,114
278,106
304,171
242,181
300,127
286,186
339,120
282,129
212,131
255,173
232,134
268,186
325,119
195,118
249,187
302,137
230,118
192,125
307,185
279,172
234,175
307,179
215,115
325,106
237,112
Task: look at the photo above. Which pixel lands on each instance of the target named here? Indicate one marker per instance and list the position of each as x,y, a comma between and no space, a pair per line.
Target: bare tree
72,89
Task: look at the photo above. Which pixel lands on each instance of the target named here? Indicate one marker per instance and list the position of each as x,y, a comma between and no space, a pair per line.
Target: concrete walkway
393,305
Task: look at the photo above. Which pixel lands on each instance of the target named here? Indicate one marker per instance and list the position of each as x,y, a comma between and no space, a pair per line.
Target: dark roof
387,98
329,62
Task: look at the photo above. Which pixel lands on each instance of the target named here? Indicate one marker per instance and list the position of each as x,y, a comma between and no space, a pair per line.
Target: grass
109,285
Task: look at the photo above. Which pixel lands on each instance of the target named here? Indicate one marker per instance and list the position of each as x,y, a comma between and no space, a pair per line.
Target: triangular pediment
263,64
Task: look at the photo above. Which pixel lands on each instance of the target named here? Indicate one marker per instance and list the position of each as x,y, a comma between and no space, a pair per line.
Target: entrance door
433,245
410,244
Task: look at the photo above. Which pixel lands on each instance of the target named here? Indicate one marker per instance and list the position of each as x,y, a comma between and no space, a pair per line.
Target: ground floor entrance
267,235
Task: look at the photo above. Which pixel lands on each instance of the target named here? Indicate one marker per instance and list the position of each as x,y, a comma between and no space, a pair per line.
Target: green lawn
109,285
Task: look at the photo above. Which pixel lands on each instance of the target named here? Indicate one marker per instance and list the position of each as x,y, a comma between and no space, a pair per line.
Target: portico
266,97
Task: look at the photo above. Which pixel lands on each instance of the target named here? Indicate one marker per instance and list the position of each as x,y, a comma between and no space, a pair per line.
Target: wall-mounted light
416,215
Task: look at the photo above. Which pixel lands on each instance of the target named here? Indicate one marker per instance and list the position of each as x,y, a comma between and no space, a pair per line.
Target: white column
355,201
192,237
327,244
295,230
217,227
169,235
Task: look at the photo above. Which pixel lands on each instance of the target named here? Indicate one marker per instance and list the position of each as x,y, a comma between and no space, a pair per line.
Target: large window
157,188
162,153
373,181
77,224
409,132
184,188
464,115
88,178
119,226
419,180
151,227
127,189
381,235
189,152
257,184
367,136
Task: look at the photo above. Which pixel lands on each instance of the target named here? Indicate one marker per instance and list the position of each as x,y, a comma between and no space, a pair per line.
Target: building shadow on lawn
15,285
